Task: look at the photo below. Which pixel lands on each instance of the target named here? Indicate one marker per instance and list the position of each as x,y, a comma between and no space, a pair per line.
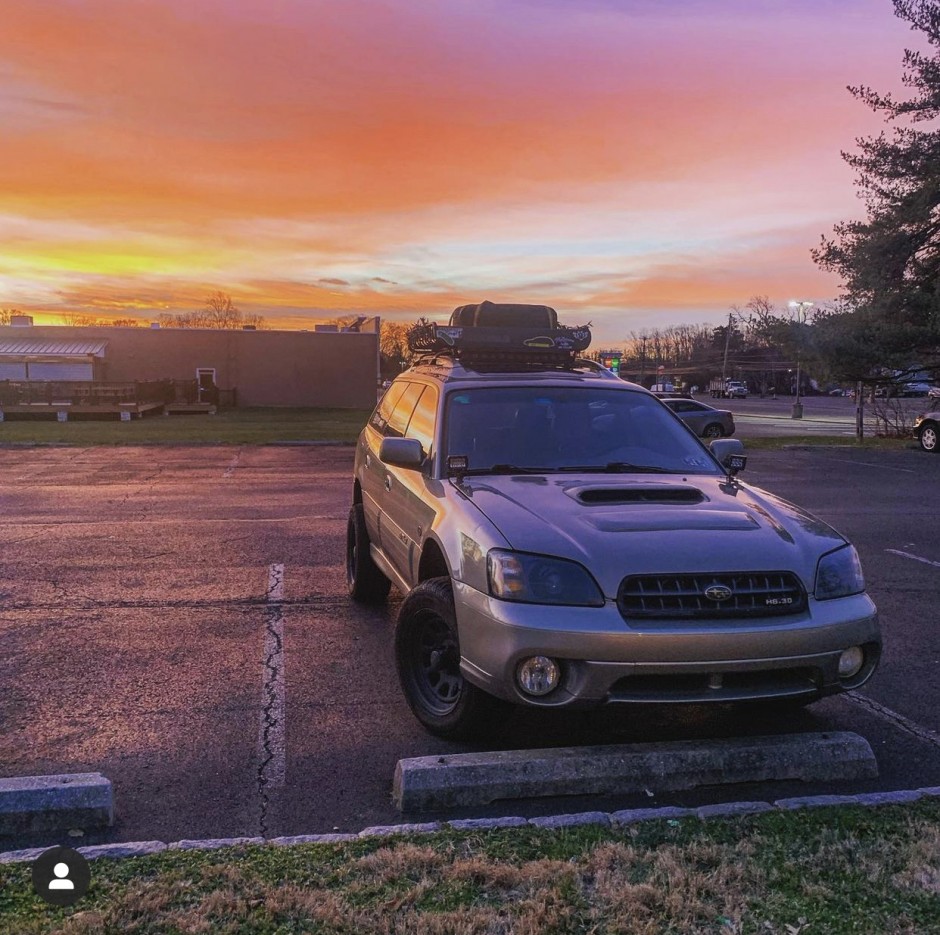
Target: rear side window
421,425
401,413
385,407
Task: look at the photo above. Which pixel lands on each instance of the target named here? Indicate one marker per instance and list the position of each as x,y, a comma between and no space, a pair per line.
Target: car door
391,536
407,513
371,470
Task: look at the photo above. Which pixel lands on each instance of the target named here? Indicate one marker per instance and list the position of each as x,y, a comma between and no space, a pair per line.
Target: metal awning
59,349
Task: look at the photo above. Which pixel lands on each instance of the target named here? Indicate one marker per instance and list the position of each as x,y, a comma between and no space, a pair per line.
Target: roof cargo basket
502,337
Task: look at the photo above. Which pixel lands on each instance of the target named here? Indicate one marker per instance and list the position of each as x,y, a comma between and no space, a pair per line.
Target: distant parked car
916,389
704,420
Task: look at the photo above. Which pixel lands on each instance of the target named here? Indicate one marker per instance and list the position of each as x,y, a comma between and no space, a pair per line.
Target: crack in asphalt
144,489
271,765
230,469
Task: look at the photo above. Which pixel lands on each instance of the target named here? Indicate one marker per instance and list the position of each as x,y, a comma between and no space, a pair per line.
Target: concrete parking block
53,803
437,782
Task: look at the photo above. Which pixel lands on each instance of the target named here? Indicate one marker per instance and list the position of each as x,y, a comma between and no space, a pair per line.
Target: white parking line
915,558
898,720
872,464
271,739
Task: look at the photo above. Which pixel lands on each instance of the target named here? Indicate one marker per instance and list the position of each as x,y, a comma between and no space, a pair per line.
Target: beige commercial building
250,368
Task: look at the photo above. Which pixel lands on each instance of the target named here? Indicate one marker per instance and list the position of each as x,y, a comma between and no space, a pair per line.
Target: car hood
634,524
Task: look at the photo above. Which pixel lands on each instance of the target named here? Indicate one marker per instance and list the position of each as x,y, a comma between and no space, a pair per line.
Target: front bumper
604,659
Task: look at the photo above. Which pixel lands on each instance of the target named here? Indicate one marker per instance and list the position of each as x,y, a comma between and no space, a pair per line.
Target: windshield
579,429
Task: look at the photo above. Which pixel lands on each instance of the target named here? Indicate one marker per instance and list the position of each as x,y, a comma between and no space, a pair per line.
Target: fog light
538,675
850,662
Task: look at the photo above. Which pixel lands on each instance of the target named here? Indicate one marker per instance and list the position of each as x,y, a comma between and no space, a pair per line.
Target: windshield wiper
509,469
615,467
612,467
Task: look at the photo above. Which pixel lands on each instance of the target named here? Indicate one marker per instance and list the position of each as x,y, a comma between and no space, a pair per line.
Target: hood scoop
654,493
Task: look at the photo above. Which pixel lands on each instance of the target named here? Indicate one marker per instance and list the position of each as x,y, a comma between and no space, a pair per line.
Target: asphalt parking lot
176,619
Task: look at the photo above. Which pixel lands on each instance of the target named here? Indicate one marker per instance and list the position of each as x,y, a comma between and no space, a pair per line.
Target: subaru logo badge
718,592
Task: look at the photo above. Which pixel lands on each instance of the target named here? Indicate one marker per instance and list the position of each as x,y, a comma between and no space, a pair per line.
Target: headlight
839,574
540,579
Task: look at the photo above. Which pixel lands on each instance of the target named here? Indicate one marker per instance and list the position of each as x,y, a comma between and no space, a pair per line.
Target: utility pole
724,364
801,310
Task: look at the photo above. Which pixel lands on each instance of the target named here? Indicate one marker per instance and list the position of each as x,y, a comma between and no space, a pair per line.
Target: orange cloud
297,153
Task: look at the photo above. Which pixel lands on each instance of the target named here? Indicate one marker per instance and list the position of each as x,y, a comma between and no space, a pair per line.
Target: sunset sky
636,163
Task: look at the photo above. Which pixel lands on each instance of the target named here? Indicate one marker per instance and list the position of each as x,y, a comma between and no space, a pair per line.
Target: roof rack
537,342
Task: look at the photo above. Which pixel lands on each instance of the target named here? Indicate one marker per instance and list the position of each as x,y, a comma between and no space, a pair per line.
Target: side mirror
729,453
402,452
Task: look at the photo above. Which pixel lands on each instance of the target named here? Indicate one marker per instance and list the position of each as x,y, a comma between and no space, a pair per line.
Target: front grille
753,594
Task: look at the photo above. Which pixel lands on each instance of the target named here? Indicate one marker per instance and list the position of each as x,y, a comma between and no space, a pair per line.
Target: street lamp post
801,310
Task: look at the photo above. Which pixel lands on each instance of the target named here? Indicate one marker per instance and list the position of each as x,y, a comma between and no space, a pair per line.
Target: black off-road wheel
364,582
927,436
713,430
427,654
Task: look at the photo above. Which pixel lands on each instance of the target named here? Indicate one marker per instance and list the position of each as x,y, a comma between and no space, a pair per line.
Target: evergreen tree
890,262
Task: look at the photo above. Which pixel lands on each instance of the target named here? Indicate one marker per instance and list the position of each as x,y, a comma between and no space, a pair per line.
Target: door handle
368,460
388,482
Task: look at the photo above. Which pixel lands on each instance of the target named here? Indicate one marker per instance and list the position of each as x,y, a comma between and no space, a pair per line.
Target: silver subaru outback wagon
563,539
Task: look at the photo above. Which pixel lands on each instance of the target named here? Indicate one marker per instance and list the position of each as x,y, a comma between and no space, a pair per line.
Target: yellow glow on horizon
107,261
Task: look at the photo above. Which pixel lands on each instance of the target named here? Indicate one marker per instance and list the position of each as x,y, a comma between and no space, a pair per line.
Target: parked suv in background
562,540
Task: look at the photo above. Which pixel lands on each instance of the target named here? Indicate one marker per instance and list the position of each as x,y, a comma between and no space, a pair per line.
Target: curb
52,803
434,783
614,820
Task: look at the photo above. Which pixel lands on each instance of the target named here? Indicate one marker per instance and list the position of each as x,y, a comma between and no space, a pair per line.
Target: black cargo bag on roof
491,315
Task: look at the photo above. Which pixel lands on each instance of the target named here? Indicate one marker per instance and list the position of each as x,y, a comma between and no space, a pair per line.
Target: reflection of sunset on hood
629,162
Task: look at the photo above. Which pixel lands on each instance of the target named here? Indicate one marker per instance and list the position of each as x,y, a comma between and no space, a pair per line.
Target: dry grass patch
696,888
824,872
921,870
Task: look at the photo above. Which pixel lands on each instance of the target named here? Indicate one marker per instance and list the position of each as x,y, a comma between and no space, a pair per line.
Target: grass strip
845,870
265,426
249,426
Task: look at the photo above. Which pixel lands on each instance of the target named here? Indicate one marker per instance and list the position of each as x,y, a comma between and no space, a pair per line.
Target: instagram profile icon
61,876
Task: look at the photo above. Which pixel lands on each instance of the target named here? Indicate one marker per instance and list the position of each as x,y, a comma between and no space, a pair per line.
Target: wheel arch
433,562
